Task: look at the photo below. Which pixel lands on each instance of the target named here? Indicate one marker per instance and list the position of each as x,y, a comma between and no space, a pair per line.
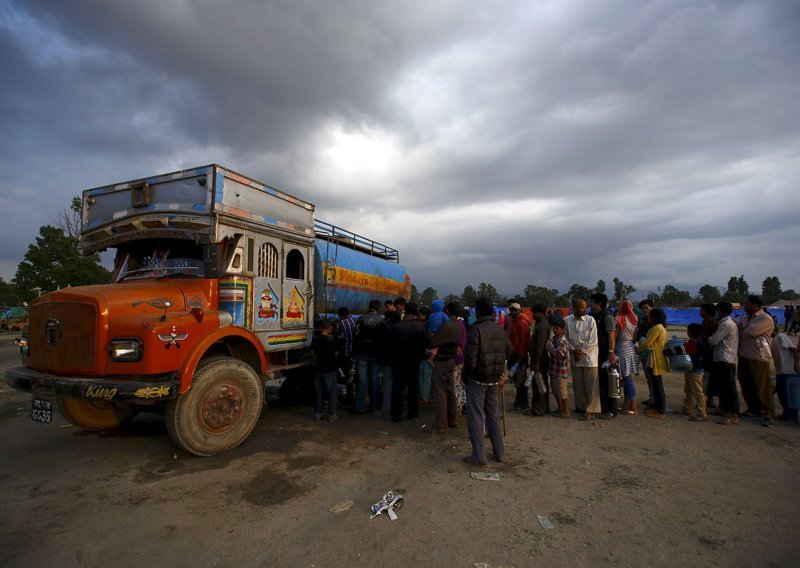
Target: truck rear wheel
94,415
219,411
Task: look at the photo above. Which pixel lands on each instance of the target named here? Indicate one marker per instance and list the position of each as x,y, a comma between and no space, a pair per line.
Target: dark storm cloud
515,143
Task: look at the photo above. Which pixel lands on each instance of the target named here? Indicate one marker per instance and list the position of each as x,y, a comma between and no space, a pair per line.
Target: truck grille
62,336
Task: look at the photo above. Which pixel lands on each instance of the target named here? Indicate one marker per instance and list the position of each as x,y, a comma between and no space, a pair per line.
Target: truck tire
219,411
94,415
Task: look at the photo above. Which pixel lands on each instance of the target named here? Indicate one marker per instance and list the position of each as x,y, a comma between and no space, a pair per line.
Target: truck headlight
128,349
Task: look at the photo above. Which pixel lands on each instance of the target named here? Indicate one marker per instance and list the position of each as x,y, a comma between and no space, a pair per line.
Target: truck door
296,286
267,291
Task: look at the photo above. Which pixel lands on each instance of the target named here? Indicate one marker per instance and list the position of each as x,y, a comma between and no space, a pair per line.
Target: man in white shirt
723,374
787,366
582,337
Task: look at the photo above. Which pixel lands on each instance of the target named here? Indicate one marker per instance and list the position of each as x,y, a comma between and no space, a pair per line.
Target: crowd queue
412,355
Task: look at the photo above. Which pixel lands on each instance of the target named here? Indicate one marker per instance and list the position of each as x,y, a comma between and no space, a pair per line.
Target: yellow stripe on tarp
363,282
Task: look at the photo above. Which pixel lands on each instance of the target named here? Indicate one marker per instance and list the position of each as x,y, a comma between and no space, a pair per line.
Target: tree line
736,291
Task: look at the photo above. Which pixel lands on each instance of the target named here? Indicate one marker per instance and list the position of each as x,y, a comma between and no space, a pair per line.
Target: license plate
42,411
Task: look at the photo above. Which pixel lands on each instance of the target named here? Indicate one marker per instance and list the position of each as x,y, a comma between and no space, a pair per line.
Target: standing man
582,337
606,343
646,306
485,357
370,336
345,335
447,340
755,342
407,341
519,334
540,362
709,325
788,313
723,374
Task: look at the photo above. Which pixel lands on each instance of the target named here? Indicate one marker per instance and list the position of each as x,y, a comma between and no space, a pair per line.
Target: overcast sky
515,143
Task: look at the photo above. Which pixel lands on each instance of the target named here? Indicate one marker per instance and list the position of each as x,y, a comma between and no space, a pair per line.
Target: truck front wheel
219,411
94,415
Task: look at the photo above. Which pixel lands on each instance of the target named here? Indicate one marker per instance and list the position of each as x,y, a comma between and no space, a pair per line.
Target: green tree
55,262
737,289
428,296
414,295
485,289
533,295
600,288
621,290
708,294
789,295
771,289
673,297
9,293
578,291
469,296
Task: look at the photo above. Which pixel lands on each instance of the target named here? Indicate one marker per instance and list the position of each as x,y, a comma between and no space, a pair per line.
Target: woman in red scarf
626,353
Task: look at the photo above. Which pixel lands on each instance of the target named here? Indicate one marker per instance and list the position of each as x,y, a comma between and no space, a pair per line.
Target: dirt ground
633,492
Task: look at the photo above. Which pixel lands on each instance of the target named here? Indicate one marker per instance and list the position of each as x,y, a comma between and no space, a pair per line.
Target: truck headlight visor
125,349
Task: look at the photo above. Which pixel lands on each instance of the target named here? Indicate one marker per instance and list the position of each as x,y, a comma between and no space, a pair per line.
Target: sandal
698,418
727,421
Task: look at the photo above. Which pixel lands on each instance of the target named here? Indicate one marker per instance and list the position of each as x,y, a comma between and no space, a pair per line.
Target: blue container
345,277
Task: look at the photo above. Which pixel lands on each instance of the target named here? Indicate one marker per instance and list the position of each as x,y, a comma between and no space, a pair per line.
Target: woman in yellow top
656,341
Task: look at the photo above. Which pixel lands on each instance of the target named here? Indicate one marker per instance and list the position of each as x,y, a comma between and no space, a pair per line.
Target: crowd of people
411,355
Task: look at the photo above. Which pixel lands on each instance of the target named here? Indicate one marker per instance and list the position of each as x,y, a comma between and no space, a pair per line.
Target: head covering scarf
626,314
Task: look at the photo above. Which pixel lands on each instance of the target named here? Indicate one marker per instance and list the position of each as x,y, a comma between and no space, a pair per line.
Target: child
693,379
326,357
558,348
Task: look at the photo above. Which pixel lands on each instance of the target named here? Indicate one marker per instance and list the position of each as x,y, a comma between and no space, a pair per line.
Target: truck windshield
158,259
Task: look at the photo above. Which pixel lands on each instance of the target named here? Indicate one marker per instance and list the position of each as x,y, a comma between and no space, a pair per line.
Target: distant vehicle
13,318
217,282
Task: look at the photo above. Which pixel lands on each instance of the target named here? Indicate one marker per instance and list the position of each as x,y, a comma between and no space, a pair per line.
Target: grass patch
711,542
560,518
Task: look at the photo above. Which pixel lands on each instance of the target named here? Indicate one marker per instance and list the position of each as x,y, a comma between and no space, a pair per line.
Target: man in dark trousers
539,362
606,342
406,342
447,342
485,357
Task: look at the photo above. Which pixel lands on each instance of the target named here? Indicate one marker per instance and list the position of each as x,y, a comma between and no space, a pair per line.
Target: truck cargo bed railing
351,240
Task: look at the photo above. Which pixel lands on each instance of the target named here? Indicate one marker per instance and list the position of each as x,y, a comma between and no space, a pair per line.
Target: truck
218,280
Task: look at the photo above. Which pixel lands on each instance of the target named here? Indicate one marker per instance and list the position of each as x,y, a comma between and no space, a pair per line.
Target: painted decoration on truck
284,338
295,306
174,337
234,295
268,306
368,283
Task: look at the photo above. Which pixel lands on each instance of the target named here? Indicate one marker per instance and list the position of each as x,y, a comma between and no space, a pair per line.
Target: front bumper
28,380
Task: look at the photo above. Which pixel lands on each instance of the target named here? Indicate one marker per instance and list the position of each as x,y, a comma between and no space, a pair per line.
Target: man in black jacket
370,336
406,344
485,357
539,362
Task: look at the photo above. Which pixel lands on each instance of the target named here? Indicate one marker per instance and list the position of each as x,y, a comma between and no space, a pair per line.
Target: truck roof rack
351,240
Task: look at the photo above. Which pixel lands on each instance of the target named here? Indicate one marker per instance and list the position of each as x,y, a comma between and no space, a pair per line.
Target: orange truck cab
212,292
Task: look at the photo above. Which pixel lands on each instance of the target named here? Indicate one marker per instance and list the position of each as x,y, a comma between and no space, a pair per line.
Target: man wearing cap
519,335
